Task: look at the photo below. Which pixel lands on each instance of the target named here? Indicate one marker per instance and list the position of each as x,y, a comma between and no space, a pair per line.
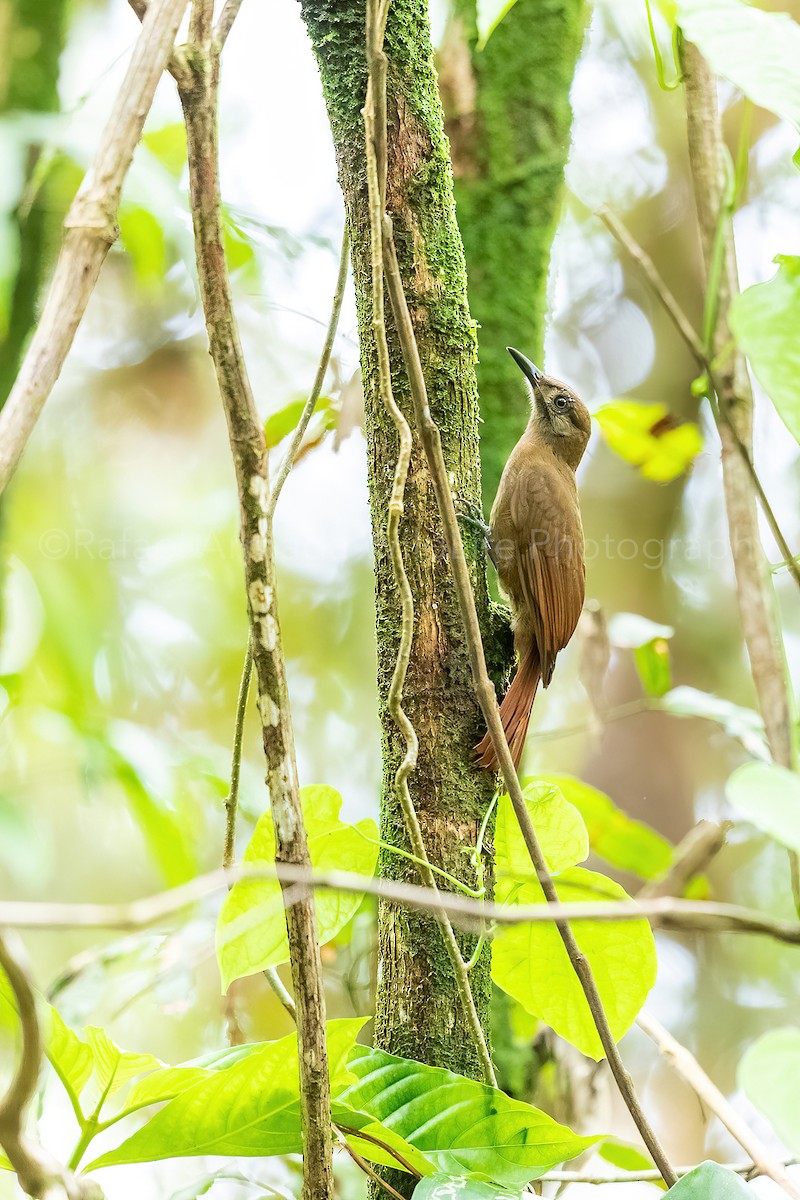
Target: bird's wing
548,547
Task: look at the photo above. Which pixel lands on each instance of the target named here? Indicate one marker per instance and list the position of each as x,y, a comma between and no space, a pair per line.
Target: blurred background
123,625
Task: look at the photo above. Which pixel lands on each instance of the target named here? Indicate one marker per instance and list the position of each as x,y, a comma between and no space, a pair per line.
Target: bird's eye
560,403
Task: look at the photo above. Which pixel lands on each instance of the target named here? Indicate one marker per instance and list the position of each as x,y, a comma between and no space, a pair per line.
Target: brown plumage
536,543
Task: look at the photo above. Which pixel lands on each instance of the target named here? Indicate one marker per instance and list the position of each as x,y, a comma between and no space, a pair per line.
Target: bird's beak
531,373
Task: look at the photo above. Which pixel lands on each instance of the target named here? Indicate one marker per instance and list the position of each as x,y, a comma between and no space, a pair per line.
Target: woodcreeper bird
535,539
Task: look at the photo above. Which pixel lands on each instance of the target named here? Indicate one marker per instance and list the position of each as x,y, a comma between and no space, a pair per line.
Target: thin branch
276,983
226,19
366,1167
376,163
38,1173
695,344
652,1176
90,231
735,400
251,462
282,473
697,916
687,1066
429,434
692,855
650,271
232,799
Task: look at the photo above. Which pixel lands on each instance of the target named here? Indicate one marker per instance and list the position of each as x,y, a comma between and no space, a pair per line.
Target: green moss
509,204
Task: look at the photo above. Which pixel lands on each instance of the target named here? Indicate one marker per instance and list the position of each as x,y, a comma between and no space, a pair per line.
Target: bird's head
559,416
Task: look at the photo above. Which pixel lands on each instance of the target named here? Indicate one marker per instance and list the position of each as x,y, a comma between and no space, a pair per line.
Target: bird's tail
515,711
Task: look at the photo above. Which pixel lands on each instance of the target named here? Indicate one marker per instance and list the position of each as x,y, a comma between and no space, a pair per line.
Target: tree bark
418,1011
508,116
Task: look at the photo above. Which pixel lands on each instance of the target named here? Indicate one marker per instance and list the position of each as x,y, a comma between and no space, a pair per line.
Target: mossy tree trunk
508,117
33,33
418,1011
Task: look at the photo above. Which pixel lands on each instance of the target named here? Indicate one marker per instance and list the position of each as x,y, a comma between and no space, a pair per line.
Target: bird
535,539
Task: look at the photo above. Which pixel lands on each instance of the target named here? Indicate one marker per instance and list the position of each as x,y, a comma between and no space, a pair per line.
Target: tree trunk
418,1011
508,117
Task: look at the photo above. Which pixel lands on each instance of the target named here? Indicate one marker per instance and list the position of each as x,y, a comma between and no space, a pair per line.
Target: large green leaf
559,829
530,963
251,1108
461,1187
710,1181
114,1067
769,796
757,51
646,436
768,1074
251,931
765,319
461,1126
624,843
72,1058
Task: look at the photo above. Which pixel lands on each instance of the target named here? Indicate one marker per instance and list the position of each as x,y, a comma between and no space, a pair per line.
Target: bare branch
232,799
90,231
38,1173
282,473
687,1065
375,134
735,400
251,462
228,15
696,916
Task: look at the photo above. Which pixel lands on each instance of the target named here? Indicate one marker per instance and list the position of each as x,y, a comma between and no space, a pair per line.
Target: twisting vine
375,132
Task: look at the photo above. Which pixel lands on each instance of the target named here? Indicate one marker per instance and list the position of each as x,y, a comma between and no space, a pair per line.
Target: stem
232,799
316,388
90,231
687,1065
251,462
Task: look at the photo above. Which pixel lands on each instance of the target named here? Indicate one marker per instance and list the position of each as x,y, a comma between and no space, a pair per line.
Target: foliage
765,319
710,1181
768,1075
648,437
251,931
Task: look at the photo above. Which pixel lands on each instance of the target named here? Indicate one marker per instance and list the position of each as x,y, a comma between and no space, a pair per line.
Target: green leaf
757,51
530,963
163,1085
653,665
624,1155
168,145
71,1057
621,841
769,797
461,1187
768,1075
461,1126
251,1108
114,1067
743,724
143,238
5,1165
489,14
280,424
559,828
765,319
648,437
710,1181
251,931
